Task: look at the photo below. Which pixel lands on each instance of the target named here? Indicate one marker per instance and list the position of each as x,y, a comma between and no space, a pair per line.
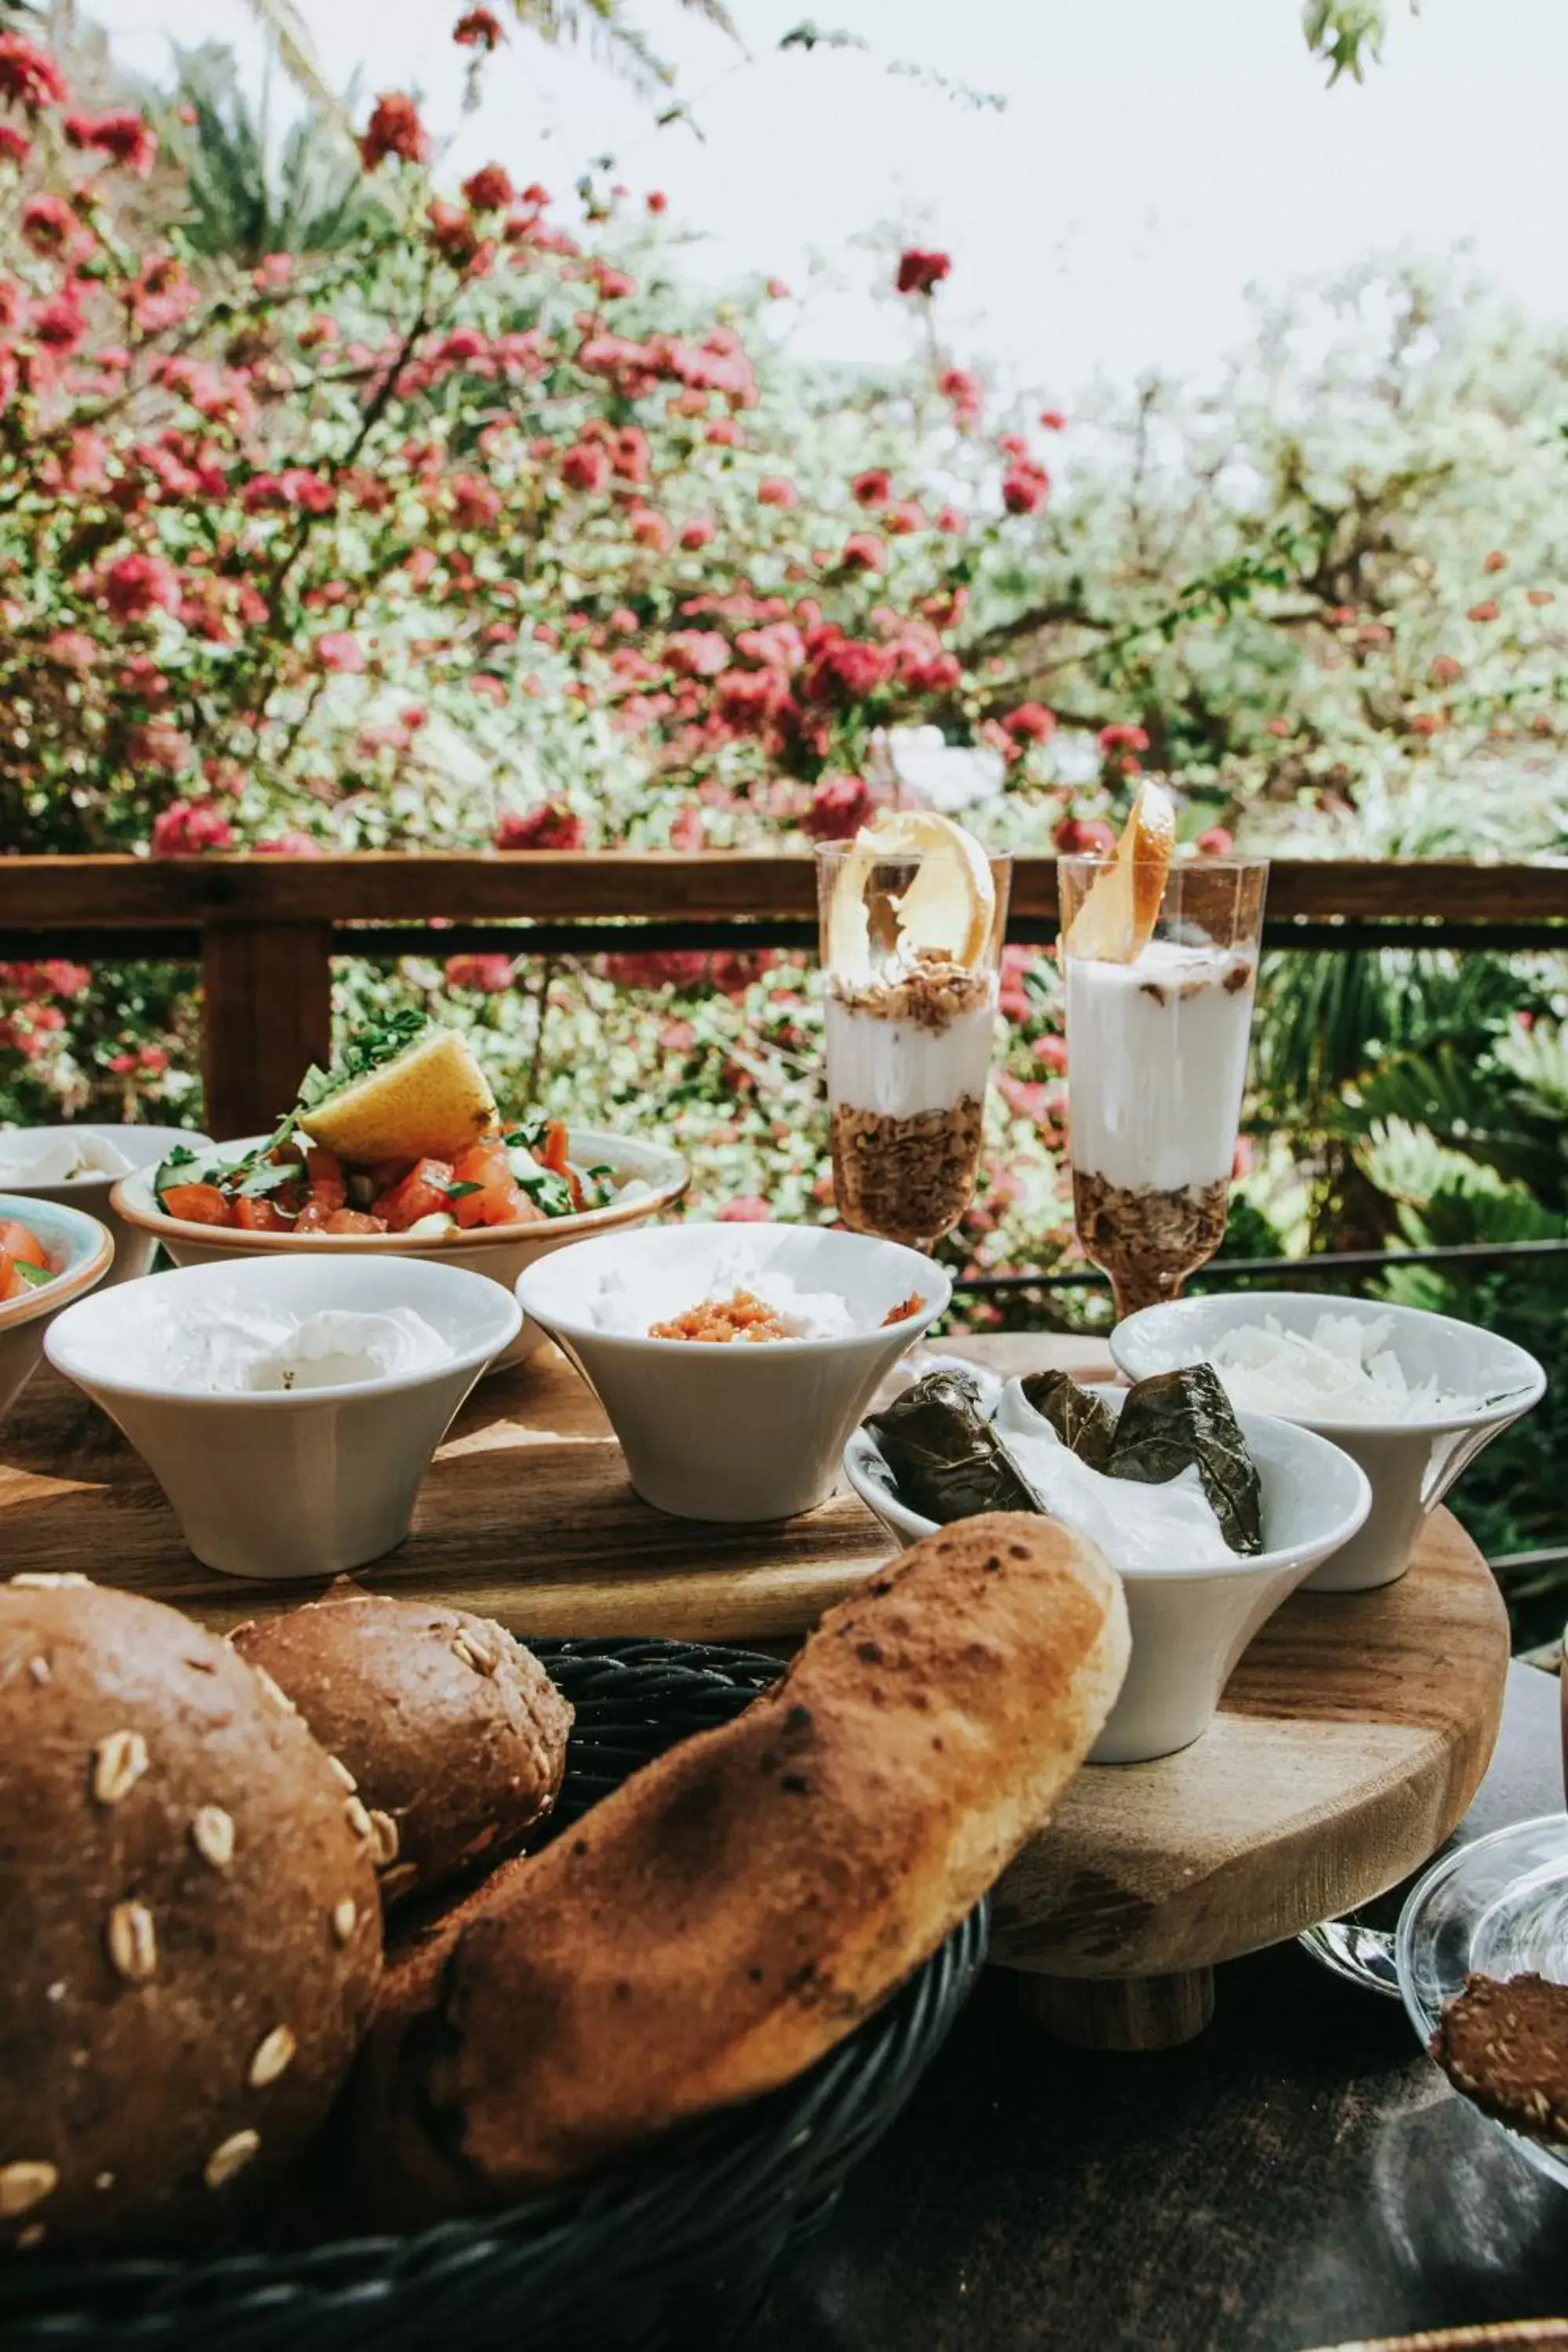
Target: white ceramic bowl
144,1147
82,1250
744,1431
1410,1463
1190,1625
500,1252
280,1484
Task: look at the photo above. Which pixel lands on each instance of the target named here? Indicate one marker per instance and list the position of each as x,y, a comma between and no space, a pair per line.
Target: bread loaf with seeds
738,1906
455,1735
188,1915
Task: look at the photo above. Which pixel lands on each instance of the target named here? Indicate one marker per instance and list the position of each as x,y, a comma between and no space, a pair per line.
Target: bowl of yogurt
1194,1604
79,1253
287,1409
1413,1397
79,1165
732,1360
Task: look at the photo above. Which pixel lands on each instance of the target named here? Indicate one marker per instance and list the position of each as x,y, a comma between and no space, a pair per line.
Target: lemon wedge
947,909
1116,921
427,1103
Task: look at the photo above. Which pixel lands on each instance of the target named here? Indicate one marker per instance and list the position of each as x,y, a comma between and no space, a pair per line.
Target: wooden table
1302,2176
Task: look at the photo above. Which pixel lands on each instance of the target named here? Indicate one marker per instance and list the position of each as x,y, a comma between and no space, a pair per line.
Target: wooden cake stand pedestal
1350,1742
1351,1739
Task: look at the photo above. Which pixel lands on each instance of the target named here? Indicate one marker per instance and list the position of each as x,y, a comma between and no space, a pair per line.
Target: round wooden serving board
1348,1745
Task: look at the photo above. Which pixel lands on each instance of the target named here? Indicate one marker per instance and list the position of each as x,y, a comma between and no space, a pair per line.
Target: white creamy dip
1156,1064
237,1351
628,1301
1136,1527
1343,1370
900,1068
56,1156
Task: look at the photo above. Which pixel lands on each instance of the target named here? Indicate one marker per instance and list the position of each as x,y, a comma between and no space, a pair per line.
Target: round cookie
455,1735
189,1914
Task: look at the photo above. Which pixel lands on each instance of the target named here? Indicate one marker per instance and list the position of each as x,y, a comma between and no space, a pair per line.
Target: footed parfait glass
909,1039
1157,1052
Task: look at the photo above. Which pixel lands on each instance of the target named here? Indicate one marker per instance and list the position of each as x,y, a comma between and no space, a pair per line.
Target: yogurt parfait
913,912
1161,966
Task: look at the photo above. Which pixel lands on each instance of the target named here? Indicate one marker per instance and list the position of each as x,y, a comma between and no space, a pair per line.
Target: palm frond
291,35
246,202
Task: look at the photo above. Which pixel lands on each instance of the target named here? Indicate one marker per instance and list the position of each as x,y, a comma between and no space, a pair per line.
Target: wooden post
266,1015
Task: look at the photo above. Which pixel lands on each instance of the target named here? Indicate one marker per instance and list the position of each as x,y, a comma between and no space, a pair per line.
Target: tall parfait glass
1157,1038
911,939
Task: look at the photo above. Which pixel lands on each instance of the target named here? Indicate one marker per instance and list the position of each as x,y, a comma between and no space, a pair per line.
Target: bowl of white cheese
289,1408
731,1359
1194,1604
78,1165
1412,1396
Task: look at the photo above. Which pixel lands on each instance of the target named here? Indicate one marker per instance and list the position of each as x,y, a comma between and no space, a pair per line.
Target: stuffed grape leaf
1174,1419
947,1461
1084,1422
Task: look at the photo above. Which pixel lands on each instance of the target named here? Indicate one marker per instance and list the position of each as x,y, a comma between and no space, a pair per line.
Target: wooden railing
264,930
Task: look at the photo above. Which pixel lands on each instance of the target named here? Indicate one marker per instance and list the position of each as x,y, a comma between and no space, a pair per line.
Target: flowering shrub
482,527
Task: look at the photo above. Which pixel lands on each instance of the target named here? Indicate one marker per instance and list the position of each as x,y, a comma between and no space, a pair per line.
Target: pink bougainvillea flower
1217,841
289,844
1084,836
1053,420
863,552
73,649
749,1208
187,828
772,490
15,145
490,189
394,128
650,530
488,976
49,226
1031,722
1445,670
920,271
839,806
585,466
1123,736
29,77
906,515
340,649
657,201
548,827
477,29
1485,611
965,393
135,586
696,535
872,489
1025,488
127,139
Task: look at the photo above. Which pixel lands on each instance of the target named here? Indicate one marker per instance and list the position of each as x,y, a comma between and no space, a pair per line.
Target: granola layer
1148,1242
932,995
910,1179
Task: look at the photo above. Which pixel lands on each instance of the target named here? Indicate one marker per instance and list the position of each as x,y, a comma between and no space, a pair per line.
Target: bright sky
1155,157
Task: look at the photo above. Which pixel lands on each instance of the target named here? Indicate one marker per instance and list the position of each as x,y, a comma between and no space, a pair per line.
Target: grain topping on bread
737,1906
449,1736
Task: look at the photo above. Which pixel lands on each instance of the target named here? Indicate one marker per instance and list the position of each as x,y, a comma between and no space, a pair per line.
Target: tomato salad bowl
632,1181
49,1255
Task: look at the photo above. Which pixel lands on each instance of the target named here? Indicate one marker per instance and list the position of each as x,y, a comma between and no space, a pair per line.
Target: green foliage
245,204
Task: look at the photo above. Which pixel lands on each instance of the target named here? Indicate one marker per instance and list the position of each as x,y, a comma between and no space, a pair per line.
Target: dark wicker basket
676,2246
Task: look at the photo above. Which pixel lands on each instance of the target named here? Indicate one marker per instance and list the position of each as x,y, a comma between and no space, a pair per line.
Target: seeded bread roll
456,1736
740,1904
188,1916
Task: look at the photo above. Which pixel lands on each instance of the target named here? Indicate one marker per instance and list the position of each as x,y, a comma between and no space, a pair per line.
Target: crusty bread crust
455,1734
738,1907
188,1919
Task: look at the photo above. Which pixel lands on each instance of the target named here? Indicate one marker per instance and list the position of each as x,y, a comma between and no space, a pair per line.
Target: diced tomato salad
297,1188
24,1262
